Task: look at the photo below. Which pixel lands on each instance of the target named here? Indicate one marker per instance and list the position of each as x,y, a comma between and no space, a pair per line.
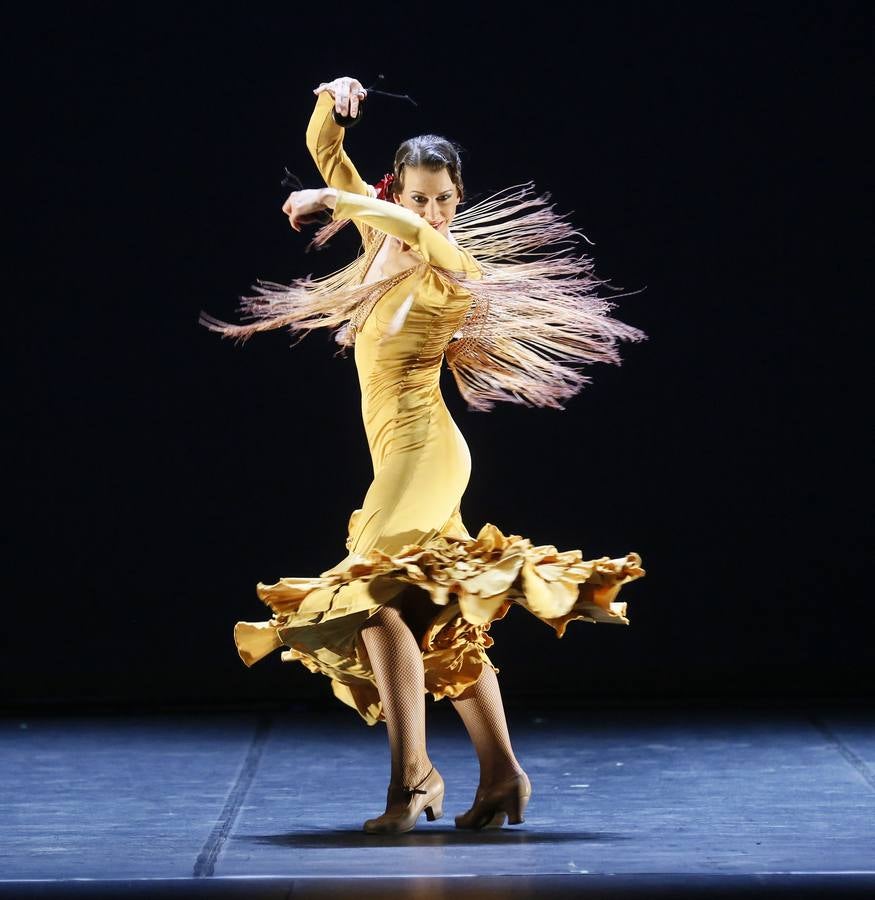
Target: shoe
428,795
507,798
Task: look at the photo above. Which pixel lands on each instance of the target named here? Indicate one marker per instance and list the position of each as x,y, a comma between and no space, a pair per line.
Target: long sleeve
325,143
402,223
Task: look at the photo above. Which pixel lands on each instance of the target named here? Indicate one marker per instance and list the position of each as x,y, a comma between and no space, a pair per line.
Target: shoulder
470,268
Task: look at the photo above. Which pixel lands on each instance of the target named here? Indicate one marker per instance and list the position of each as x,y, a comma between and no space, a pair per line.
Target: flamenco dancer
515,313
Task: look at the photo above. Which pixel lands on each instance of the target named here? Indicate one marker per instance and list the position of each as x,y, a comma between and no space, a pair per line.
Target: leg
397,663
504,788
482,711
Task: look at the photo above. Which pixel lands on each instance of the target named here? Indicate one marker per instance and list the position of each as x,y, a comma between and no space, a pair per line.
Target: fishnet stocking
482,712
397,664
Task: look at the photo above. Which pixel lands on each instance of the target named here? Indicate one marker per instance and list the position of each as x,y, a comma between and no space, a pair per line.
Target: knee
485,676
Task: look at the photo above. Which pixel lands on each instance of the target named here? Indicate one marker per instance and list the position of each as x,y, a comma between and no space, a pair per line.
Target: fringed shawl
537,312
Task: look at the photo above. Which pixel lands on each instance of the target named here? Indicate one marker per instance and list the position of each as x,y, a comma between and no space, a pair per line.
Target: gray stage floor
252,804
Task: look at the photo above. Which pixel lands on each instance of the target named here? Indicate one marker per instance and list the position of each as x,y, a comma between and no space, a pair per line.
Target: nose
431,211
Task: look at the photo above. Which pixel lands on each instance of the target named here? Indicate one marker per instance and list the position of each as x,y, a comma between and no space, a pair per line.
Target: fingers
356,93
343,95
347,93
302,207
289,210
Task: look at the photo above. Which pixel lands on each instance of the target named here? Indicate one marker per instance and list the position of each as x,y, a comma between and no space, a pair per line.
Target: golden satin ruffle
471,581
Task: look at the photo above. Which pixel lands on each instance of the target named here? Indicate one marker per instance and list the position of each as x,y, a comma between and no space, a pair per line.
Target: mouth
436,224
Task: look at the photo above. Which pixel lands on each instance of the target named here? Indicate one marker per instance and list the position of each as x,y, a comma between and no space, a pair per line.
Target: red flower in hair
382,186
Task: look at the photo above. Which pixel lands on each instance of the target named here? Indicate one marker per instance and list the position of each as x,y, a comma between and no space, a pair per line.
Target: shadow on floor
434,837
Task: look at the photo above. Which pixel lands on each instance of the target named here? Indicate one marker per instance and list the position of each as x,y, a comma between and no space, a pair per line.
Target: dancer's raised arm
325,136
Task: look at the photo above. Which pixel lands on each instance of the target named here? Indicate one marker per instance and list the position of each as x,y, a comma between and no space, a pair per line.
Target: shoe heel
436,809
516,808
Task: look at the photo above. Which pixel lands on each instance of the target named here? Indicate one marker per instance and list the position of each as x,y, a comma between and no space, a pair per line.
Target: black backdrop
717,158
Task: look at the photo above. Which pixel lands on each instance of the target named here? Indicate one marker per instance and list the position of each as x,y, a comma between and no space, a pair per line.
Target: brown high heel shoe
428,795
508,797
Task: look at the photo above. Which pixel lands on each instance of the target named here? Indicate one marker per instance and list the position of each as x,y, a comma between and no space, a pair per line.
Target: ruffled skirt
462,583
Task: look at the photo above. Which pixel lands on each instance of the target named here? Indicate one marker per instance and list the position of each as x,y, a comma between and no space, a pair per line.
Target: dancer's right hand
347,93
304,207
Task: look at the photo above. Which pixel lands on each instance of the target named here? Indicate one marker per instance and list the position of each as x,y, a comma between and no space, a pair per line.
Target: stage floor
221,804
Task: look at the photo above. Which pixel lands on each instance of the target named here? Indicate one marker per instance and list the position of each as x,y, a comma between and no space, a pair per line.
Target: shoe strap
416,790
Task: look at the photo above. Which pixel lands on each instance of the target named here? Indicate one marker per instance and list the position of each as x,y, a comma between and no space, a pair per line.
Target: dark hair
432,152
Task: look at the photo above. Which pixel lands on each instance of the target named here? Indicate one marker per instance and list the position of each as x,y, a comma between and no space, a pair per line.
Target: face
432,195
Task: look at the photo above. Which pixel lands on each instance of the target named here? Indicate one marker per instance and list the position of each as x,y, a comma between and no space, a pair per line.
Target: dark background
716,156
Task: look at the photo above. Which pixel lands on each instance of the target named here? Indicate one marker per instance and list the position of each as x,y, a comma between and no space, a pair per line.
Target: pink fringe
537,314
537,317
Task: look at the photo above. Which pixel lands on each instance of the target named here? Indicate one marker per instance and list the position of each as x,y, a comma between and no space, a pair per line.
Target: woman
408,609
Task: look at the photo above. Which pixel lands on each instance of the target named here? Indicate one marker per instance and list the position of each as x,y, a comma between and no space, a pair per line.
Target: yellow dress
407,543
